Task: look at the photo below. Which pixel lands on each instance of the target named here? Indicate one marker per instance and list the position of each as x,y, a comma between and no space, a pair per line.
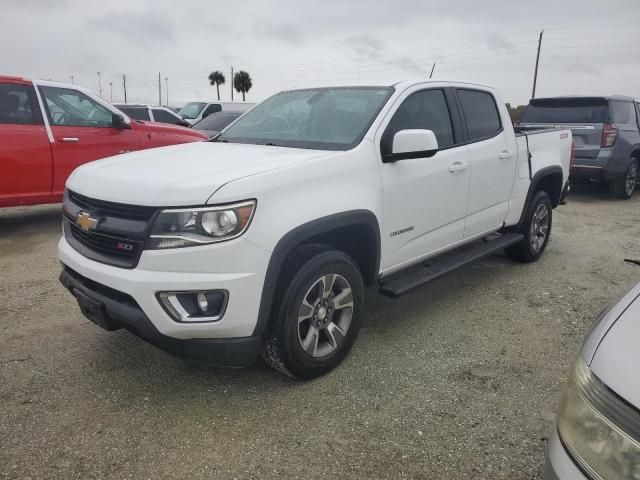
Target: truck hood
179,175
617,354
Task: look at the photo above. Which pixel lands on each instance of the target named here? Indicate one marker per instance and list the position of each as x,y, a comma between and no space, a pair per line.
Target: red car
47,129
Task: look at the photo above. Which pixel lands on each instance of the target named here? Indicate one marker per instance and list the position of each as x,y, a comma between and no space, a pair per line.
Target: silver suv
606,135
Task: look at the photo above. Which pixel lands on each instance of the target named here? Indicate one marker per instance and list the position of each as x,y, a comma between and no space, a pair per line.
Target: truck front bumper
114,297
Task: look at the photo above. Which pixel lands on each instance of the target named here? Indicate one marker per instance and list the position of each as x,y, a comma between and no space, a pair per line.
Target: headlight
199,226
598,428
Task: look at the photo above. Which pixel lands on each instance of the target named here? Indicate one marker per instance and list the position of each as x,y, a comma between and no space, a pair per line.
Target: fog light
195,306
203,303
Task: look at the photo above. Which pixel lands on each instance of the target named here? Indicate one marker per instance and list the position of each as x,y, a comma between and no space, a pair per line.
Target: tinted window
212,109
321,118
15,104
71,107
565,110
137,113
216,121
163,116
422,110
621,112
480,113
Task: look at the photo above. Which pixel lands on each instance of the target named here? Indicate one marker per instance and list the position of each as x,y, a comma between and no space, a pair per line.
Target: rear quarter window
621,112
480,113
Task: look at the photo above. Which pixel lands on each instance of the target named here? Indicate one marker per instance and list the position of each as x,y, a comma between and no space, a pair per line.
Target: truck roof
585,97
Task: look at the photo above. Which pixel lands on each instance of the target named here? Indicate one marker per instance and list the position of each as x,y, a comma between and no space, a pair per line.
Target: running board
402,283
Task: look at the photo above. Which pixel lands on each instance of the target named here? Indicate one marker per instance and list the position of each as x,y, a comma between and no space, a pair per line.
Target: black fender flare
539,175
301,234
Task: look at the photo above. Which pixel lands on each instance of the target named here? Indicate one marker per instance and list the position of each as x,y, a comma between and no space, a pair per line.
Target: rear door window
160,115
480,113
566,110
137,113
16,106
621,112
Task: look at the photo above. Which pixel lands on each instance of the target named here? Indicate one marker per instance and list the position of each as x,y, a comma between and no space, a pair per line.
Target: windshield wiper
271,144
632,260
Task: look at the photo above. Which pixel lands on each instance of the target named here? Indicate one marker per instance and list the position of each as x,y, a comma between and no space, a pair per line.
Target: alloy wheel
539,227
325,315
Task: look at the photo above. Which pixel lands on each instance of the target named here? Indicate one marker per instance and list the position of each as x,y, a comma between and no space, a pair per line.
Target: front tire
626,185
536,229
317,312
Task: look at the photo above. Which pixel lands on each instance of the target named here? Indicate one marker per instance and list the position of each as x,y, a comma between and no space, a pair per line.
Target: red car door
83,131
25,152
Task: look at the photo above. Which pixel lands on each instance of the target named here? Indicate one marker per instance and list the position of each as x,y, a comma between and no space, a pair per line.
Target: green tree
242,82
216,78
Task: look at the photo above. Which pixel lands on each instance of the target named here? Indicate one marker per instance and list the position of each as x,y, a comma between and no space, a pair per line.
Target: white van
193,112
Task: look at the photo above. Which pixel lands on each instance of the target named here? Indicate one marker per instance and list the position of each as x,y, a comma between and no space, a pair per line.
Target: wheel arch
356,232
548,179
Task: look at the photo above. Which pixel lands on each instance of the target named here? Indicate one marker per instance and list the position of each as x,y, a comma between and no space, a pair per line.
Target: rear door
82,130
585,116
25,152
492,161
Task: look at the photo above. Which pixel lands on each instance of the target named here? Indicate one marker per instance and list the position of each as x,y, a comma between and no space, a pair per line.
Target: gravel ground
457,380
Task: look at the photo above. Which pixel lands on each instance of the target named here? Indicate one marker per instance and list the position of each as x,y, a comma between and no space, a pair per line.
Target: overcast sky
589,46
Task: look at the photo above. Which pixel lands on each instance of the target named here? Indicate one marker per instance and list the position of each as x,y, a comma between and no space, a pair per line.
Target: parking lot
456,380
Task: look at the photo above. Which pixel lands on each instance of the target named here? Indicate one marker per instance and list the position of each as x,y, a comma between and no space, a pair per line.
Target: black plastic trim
301,234
540,174
121,311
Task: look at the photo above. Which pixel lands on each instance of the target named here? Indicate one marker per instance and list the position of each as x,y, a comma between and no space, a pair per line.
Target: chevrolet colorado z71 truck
47,129
262,240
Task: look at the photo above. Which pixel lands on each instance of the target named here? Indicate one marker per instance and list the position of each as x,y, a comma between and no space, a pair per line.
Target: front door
82,130
425,199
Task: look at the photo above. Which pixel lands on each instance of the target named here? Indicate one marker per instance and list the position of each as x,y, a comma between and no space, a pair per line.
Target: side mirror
118,121
184,123
205,114
414,143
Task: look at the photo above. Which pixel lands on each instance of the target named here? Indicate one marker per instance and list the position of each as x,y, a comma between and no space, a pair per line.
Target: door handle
70,139
505,155
457,167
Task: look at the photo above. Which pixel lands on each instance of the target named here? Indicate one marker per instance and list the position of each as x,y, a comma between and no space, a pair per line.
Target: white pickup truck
262,240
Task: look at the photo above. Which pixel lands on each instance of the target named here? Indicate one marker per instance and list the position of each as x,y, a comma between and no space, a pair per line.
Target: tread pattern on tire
521,251
272,346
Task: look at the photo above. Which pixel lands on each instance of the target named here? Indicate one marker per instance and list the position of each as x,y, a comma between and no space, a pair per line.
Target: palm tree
216,78
242,82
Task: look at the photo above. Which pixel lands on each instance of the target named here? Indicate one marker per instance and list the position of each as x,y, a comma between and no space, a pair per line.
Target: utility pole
535,75
72,80
159,90
166,88
124,85
432,69
99,86
231,82
111,92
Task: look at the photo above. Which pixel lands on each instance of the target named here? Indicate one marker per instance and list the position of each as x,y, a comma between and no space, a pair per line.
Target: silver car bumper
558,464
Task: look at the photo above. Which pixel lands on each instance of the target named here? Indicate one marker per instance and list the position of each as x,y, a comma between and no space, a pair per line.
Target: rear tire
625,186
536,229
317,312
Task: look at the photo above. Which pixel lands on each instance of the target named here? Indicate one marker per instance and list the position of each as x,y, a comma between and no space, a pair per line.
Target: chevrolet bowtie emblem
85,222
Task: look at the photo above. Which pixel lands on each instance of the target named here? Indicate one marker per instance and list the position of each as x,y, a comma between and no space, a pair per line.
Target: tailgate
584,116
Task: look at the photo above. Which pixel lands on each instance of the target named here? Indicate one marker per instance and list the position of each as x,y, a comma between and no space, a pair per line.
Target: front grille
111,209
119,234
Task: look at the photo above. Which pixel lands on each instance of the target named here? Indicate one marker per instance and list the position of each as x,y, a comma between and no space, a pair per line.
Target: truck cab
47,129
